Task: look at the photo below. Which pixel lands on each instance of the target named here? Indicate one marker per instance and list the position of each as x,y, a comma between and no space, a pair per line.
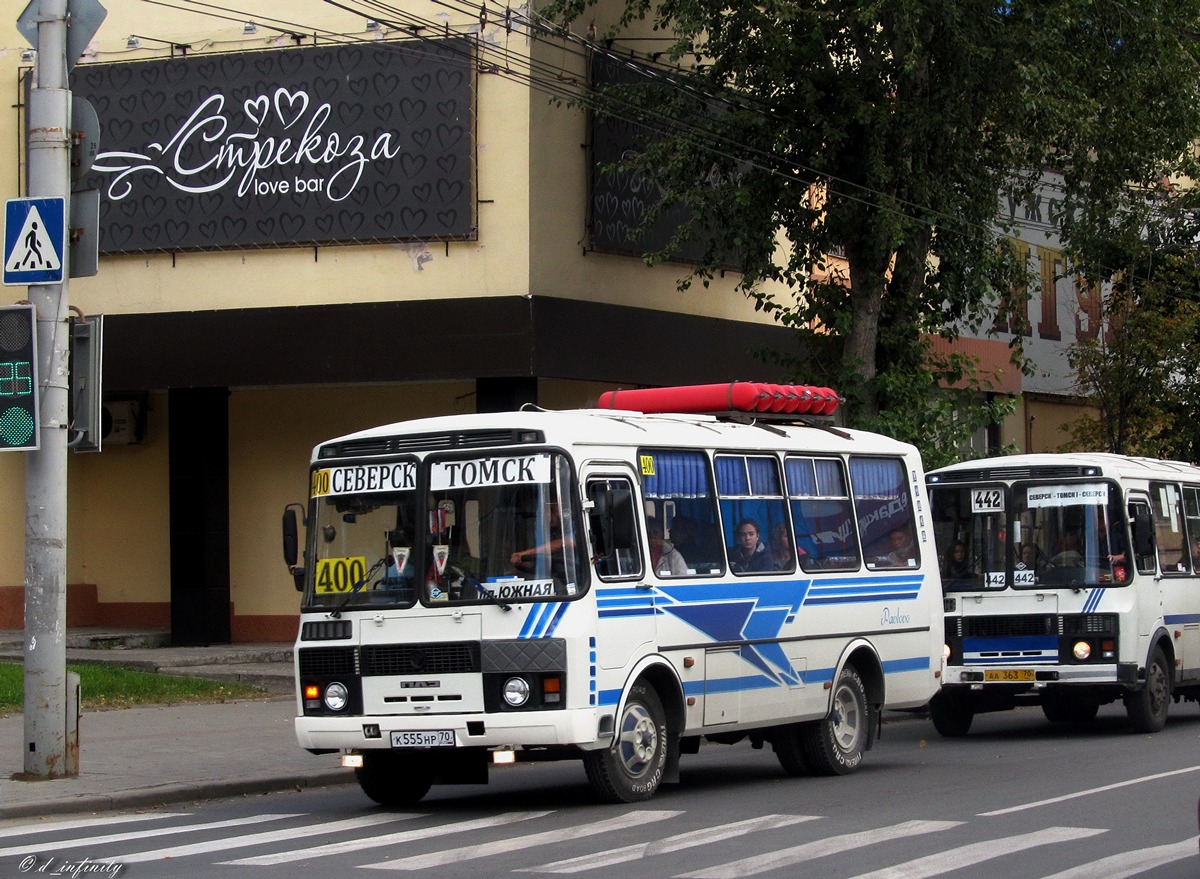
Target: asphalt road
1020,798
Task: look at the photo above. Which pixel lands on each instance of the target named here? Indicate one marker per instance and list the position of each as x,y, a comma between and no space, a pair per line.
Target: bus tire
951,716
631,770
836,745
1069,709
1147,707
788,742
395,778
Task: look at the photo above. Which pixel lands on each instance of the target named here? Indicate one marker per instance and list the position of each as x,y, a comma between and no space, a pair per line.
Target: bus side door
625,627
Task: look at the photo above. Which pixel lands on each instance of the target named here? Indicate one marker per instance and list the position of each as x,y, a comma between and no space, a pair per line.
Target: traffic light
18,378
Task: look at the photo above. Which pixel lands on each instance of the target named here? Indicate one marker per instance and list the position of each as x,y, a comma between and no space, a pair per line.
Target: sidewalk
146,756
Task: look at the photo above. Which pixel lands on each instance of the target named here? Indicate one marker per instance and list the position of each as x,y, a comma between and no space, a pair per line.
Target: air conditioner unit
122,422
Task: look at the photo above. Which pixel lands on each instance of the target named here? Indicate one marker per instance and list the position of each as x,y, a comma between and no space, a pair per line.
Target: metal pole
45,745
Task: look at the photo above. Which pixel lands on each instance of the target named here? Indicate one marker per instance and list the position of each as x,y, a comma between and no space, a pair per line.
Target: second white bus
1071,581
609,586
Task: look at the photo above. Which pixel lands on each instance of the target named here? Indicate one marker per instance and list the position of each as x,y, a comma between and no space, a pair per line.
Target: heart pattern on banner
293,146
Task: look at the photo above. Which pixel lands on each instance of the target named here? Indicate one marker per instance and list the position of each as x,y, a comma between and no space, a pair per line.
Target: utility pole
46,468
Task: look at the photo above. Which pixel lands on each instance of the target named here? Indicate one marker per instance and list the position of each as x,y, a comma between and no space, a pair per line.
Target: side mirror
291,545
623,522
1143,534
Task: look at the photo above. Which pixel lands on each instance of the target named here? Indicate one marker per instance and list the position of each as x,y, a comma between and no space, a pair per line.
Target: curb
175,793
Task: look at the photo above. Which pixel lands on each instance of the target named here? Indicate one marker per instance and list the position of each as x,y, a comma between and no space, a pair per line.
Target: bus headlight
1082,650
336,696
945,653
516,692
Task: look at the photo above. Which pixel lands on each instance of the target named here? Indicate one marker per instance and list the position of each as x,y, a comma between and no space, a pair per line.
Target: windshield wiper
337,611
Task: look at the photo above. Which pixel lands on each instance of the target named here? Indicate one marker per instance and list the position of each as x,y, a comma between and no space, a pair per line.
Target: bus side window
754,509
821,512
612,522
679,483
885,512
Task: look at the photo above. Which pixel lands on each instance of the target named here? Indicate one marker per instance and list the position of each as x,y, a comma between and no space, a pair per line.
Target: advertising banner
363,142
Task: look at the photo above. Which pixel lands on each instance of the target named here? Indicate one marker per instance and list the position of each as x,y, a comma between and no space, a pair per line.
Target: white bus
541,585
1071,580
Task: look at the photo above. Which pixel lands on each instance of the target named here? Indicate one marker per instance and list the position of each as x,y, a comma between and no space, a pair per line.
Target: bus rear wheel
631,770
1147,707
395,778
836,745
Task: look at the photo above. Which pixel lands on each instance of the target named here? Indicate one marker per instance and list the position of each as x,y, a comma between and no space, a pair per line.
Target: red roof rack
731,396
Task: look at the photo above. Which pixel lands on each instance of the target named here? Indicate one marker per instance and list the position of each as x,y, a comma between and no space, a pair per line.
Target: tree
1142,372
888,131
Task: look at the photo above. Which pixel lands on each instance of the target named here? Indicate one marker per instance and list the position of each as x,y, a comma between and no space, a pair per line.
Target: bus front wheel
1147,707
631,770
835,745
951,715
394,778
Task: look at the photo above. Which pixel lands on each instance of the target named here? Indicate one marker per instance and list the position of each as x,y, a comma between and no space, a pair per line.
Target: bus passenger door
625,627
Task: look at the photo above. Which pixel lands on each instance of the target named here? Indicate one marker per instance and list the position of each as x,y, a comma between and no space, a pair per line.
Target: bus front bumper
530,729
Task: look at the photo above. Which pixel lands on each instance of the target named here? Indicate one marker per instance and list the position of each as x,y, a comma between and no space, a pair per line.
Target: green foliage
908,120
111,686
1143,371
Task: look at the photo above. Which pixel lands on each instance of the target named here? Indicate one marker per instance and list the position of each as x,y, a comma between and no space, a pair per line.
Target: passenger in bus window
783,558
958,565
748,553
702,555
665,559
903,554
525,560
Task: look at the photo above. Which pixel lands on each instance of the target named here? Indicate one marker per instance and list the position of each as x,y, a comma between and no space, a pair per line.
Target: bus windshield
494,529
1032,535
1069,534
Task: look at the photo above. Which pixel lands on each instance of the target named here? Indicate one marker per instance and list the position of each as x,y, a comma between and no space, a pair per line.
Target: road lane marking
520,843
355,845
819,848
226,843
977,852
1131,863
15,829
140,834
1085,793
670,844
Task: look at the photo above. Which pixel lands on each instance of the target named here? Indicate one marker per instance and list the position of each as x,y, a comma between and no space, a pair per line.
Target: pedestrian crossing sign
34,235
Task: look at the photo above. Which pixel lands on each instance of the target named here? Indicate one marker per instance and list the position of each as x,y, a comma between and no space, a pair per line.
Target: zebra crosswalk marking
519,843
25,829
819,848
1131,863
141,834
354,845
968,855
670,844
226,843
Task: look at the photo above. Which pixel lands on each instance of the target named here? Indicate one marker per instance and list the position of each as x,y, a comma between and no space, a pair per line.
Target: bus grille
430,442
326,661
411,659
1090,624
1001,626
983,474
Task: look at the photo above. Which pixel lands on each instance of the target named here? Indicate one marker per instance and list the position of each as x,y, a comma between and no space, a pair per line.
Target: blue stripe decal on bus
883,596
1181,618
1093,600
913,663
532,620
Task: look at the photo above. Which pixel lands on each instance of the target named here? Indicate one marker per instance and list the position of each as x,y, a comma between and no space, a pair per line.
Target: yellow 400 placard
340,575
